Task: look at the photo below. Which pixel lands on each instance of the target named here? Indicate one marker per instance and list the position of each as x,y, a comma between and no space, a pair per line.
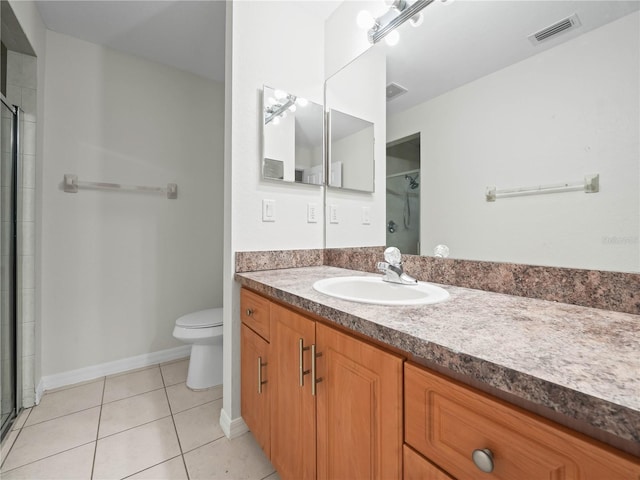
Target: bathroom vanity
483,382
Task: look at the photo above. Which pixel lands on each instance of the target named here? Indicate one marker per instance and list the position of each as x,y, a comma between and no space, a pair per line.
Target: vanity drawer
416,467
446,422
254,312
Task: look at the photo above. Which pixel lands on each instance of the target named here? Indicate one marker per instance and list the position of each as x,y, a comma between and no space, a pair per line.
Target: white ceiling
463,40
186,34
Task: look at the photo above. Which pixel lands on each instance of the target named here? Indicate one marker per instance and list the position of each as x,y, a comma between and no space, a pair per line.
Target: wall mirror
545,97
292,138
350,152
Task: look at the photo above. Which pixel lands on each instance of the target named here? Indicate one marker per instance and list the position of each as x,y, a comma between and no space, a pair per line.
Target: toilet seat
201,319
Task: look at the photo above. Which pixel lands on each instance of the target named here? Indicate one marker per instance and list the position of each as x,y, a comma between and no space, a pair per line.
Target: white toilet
203,330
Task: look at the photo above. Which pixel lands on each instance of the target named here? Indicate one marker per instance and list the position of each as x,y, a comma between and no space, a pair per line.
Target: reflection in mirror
351,157
292,138
505,108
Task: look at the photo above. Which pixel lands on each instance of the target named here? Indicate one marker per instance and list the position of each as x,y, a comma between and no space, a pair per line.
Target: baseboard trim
39,393
118,366
232,428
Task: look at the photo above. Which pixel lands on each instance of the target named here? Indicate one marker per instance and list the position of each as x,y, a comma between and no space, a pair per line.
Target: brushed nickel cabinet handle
302,371
315,379
249,312
483,459
260,381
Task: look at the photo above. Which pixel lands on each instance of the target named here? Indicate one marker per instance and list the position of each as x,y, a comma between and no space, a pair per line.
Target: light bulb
416,20
392,38
280,94
292,108
365,20
303,102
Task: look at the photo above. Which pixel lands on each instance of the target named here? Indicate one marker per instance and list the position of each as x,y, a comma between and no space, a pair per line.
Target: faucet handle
393,256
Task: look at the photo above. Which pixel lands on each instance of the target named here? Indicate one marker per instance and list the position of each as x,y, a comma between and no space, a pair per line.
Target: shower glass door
8,268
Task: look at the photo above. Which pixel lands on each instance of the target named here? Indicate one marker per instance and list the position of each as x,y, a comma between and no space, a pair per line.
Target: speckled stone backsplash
277,259
614,291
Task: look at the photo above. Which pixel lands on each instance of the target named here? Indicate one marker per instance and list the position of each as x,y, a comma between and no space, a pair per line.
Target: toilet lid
204,318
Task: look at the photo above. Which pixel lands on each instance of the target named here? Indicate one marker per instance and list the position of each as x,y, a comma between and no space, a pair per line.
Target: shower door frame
16,181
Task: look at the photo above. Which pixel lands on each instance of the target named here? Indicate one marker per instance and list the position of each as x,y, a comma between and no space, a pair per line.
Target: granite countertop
580,362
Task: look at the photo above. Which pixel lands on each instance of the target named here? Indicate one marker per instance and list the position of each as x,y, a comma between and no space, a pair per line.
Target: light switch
333,214
268,210
366,216
312,213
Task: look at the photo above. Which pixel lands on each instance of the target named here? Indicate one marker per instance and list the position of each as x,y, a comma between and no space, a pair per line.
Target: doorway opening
403,194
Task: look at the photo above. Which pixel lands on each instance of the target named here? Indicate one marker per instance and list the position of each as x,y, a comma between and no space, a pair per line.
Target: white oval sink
375,291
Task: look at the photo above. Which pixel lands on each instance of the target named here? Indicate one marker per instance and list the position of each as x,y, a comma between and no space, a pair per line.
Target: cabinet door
359,408
255,386
447,422
416,467
293,408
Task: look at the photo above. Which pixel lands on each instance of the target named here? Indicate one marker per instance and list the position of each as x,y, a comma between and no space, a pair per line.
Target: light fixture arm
378,32
279,109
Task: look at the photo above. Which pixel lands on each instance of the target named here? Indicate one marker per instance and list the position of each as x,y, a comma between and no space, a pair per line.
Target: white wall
569,111
119,268
278,44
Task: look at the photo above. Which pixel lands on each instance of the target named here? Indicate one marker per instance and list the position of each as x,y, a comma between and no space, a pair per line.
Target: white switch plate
333,214
268,210
366,216
312,213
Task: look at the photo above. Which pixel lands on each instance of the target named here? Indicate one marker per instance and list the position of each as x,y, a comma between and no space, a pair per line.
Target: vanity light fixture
399,12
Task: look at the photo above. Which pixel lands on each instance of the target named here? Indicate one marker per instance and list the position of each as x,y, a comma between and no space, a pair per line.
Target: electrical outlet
366,216
312,213
333,214
268,210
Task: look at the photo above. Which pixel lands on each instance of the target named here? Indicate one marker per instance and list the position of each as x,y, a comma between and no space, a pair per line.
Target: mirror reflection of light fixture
277,107
399,12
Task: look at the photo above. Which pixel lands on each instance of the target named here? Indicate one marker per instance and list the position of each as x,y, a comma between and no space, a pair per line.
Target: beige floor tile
68,401
7,443
133,411
170,470
175,372
22,417
127,385
72,464
199,425
273,476
53,436
134,450
237,459
181,398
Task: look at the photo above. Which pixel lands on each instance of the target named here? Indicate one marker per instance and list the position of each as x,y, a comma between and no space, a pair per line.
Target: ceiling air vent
394,90
562,26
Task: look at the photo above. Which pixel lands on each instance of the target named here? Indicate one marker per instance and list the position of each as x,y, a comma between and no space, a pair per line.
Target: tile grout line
175,428
95,449
17,436
48,456
61,416
152,466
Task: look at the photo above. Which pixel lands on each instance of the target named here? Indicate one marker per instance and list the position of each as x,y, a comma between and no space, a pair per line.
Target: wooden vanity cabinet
446,421
255,384
335,416
293,407
359,400
416,467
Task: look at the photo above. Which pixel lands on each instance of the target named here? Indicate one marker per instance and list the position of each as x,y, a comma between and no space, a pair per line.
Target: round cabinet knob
483,459
249,312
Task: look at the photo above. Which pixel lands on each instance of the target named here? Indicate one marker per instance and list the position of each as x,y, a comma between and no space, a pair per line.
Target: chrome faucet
392,268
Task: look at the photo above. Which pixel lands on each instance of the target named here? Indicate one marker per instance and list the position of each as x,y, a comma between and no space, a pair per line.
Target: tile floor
143,424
